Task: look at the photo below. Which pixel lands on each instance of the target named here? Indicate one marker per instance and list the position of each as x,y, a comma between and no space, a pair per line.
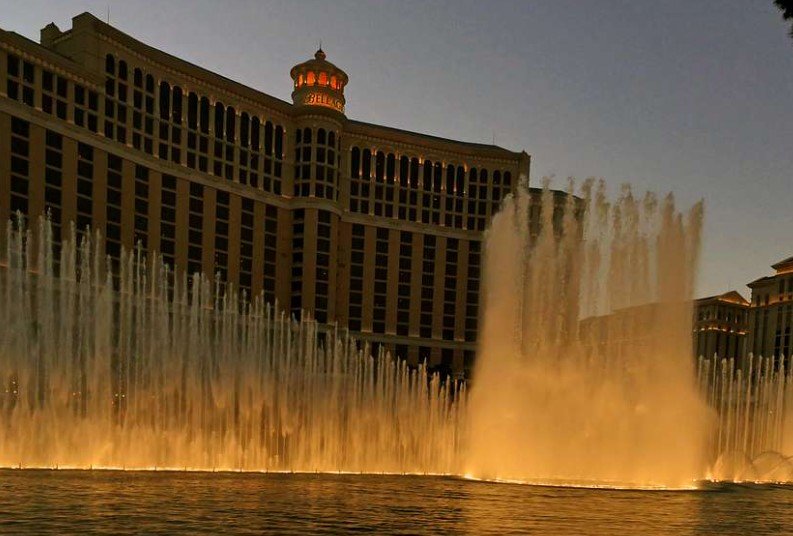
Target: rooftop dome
317,82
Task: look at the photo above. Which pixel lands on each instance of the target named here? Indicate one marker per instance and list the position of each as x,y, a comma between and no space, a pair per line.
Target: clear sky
693,97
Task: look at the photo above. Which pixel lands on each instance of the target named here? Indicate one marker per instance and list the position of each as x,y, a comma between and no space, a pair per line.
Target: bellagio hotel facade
374,228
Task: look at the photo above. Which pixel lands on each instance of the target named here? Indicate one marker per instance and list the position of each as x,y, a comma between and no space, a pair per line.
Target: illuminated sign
323,99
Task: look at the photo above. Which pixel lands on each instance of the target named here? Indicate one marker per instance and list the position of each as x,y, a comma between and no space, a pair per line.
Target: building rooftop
732,297
51,35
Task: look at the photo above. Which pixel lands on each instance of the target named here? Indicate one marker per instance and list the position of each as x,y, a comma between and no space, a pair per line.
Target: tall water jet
584,372
169,372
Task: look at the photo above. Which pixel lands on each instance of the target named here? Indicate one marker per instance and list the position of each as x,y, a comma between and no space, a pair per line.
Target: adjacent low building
771,313
720,325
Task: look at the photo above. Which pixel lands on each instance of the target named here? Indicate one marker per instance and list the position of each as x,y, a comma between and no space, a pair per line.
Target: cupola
319,83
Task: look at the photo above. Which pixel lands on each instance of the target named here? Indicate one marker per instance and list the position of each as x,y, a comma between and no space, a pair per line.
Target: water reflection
110,502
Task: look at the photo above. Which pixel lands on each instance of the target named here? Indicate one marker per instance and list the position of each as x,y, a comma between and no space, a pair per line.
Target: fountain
583,376
561,393
152,373
754,402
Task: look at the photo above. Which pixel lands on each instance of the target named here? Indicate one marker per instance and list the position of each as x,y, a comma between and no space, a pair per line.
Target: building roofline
732,297
179,64
48,55
496,150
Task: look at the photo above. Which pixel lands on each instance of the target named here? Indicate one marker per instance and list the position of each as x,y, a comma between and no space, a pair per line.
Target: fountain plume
560,396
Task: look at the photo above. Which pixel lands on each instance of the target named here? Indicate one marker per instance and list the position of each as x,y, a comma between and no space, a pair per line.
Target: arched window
279,141
355,162
255,126
219,115
483,184
460,183
165,100
390,165
300,80
122,70
507,179
414,172
472,180
298,136
379,166
231,123
177,105
268,138
137,77
321,136
332,139
438,178
307,136
192,111
204,115
149,83
449,179
366,165
427,182
110,64
496,178
323,79
245,125
334,82
404,166
310,78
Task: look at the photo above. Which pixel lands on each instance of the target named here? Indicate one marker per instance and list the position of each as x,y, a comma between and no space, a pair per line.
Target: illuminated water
105,502
164,375
584,372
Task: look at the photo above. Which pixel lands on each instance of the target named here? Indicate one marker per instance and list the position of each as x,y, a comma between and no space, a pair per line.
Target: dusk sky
693,97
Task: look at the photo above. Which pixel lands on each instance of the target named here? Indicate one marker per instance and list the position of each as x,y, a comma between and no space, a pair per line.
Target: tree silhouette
786,6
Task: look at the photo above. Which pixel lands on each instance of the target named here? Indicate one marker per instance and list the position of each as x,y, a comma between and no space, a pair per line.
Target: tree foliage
786,6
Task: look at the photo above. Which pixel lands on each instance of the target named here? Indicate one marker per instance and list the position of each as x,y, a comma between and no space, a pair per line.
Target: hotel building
771,313
376,228
720,326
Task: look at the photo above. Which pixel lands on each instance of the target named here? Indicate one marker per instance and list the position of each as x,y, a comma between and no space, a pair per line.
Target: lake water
117,502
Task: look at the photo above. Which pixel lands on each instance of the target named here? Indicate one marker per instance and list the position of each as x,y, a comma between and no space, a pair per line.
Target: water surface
124,502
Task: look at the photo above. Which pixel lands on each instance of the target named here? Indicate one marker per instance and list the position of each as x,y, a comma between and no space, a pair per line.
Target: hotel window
403,288
85,186
380,280
195,229
273,158
53,188
143,112
222,213
54,92
20,82
326,165
168,220
141,207
246,245
450,288
360,168
357,248
86,107
298,231
324,230
477,199
472,293
113,211
20,168
116,96
427,286
303,145
270,251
